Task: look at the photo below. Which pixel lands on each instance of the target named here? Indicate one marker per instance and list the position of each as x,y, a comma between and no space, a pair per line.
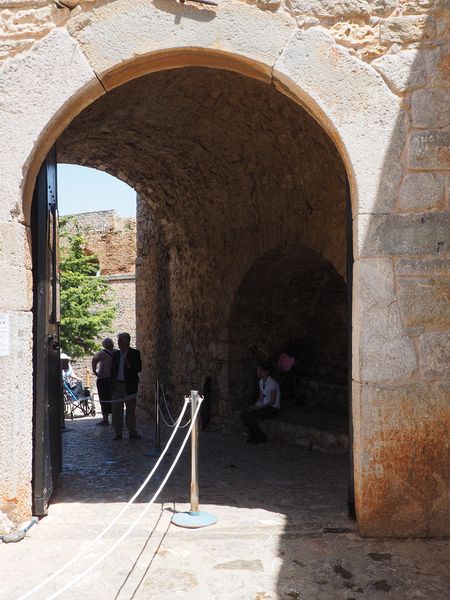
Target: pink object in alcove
285,362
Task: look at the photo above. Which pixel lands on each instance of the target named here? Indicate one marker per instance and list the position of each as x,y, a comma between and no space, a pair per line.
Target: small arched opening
291,311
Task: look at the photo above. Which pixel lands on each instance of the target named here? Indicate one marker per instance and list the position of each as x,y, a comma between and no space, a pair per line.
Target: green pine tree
86,310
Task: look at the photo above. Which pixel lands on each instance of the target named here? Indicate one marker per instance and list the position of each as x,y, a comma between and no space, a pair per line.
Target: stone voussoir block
429,150
364,111
403,71
397,235
57,61
434,351
425,301
244,29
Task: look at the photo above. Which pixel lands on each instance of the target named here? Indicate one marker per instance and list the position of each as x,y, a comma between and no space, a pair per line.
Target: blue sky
81,189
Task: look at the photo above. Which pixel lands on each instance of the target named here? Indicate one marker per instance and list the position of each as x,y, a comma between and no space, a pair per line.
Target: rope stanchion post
156,451
157,420
102,557
194,455
194,519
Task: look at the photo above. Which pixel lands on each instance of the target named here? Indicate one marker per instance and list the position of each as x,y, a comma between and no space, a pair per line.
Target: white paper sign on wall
4,334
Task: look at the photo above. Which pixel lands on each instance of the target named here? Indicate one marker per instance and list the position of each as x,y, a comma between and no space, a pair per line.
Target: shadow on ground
283,531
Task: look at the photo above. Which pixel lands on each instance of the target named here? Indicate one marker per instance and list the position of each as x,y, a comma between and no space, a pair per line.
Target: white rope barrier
116,518
168,412
133,525
123,399
165,403
129,397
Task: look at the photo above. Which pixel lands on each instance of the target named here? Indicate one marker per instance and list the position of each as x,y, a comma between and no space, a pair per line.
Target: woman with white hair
101,367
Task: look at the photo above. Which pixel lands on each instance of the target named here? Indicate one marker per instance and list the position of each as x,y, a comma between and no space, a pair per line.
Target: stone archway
105,47
225,166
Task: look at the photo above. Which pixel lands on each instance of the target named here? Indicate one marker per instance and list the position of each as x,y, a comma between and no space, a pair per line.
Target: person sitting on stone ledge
267,406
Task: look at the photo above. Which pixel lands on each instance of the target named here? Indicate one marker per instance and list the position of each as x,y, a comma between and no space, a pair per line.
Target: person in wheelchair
76,396
69,376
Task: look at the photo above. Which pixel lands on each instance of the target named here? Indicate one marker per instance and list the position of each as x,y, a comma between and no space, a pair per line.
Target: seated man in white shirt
267,407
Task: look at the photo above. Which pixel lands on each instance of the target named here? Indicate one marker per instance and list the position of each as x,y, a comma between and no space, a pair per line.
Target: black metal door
47,383
350,260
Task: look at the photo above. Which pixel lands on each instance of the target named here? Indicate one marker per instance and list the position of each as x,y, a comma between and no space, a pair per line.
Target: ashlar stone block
422,191
355,34
18,293
429,150
401,459
403,71
430,108
434,349
30,22
16,424
15,245
423,266
381,349
400,235
342,8
438,65
20,3
407,29
423,6
425,301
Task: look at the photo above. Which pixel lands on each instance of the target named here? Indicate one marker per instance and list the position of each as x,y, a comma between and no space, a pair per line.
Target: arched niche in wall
292,300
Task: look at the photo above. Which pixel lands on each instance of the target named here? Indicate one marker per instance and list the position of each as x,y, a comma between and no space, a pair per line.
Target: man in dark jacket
126,364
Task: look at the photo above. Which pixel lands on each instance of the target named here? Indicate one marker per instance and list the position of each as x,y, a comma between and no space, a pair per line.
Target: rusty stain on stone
413,486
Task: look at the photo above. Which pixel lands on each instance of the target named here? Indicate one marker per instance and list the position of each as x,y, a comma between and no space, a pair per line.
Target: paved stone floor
274,505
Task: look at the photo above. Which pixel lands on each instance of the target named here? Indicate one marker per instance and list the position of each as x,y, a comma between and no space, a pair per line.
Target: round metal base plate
194,520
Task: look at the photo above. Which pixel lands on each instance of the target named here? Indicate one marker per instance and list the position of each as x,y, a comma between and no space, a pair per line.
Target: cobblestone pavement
282,530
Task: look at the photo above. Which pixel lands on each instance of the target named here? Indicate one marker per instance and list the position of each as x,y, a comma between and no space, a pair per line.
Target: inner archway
226,168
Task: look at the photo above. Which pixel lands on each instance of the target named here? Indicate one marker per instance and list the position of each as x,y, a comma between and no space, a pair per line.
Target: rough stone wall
23,22
95,221
116,250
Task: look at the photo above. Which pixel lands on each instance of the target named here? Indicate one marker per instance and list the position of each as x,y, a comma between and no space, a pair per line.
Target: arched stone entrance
226,168
101,49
